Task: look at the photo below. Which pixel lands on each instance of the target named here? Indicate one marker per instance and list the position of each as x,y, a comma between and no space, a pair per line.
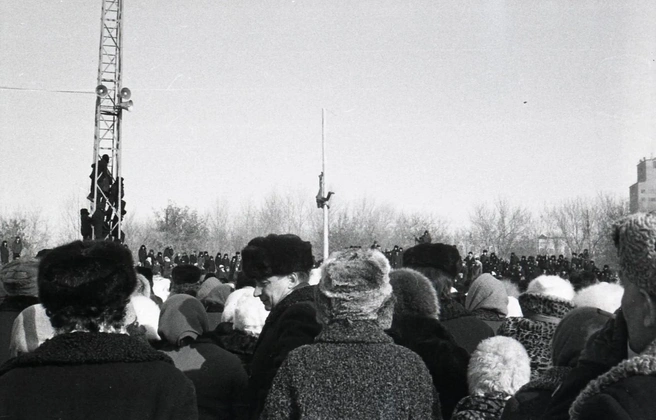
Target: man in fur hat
280,265
617,370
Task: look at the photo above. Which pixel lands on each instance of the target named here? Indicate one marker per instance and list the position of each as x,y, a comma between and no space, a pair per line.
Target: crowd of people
84,333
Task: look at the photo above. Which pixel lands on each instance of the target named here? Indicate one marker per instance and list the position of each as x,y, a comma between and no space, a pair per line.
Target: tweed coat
353,371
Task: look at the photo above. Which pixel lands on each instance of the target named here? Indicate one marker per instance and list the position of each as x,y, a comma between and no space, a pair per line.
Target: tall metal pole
323,183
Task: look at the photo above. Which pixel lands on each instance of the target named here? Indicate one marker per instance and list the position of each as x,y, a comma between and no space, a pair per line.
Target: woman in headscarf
487,299
218,376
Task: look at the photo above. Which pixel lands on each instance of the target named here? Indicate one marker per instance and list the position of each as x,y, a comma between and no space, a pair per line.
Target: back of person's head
19,278
185,279
414,294
355,286
250,310
182,320
442,257
487,292
86,285
147,273
244,281
143,287
250,315
277,255
606,296
499,364
635,239
573,332
551,286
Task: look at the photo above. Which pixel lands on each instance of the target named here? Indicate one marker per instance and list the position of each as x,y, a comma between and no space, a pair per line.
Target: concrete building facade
642,194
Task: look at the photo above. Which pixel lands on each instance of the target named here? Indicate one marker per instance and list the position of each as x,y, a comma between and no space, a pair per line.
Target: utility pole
322,200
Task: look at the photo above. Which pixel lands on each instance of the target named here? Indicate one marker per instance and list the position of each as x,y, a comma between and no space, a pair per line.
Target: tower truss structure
112,99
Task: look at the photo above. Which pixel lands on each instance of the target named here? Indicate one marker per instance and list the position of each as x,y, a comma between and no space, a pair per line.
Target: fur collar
367,331
300,295
544,305
486,406
83,348
551,379
642,365
488,314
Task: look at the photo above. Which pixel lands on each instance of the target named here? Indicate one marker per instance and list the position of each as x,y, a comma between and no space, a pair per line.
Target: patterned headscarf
635,239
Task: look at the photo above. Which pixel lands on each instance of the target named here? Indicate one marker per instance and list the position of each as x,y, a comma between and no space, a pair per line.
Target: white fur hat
250,315
553,286
514,308
605,296
232,302
146,313
499,364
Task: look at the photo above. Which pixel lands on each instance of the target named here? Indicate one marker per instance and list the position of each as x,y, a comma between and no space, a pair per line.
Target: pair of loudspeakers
101,91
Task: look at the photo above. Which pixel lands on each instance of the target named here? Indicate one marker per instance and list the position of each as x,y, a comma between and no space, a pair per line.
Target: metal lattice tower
112,99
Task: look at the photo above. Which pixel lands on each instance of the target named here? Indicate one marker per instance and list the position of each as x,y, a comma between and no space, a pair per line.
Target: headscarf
182,316
487,292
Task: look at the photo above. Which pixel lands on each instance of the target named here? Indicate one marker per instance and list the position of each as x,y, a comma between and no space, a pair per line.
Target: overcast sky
432,105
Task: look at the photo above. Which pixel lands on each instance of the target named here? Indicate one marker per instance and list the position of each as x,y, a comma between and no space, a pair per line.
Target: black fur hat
185,274
440,256
86,275
276,255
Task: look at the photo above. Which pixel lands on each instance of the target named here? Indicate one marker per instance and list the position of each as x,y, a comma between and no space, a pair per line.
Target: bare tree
32,228
501,227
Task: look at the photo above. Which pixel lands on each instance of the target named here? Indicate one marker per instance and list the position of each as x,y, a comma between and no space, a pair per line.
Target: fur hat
635,239
354,286
19,278
553,286
145,312
414,293
499,364
232,302
276,255
143,286
250,315
440,256
573,332
83,278
606,296
514,308
185,274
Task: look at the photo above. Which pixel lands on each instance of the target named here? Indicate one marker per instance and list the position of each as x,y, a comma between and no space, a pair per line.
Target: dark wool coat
532,400
95,376
446,361
290,324
218,376
10,308
353,371
467,330
605,349
236,342
481,407
625,392
541,317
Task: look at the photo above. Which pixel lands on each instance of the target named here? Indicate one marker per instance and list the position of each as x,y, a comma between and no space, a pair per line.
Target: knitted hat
553,286
573,332
276,255
354,286
635,240
440,256
19,278
606,296
414,293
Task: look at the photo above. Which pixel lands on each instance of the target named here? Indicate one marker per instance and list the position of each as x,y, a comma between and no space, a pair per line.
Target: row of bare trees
501,227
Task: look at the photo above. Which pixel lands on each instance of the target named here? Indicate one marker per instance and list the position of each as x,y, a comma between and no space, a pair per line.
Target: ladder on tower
107,207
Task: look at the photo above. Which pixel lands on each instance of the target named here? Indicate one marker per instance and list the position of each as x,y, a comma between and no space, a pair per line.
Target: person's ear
293,280
649,310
